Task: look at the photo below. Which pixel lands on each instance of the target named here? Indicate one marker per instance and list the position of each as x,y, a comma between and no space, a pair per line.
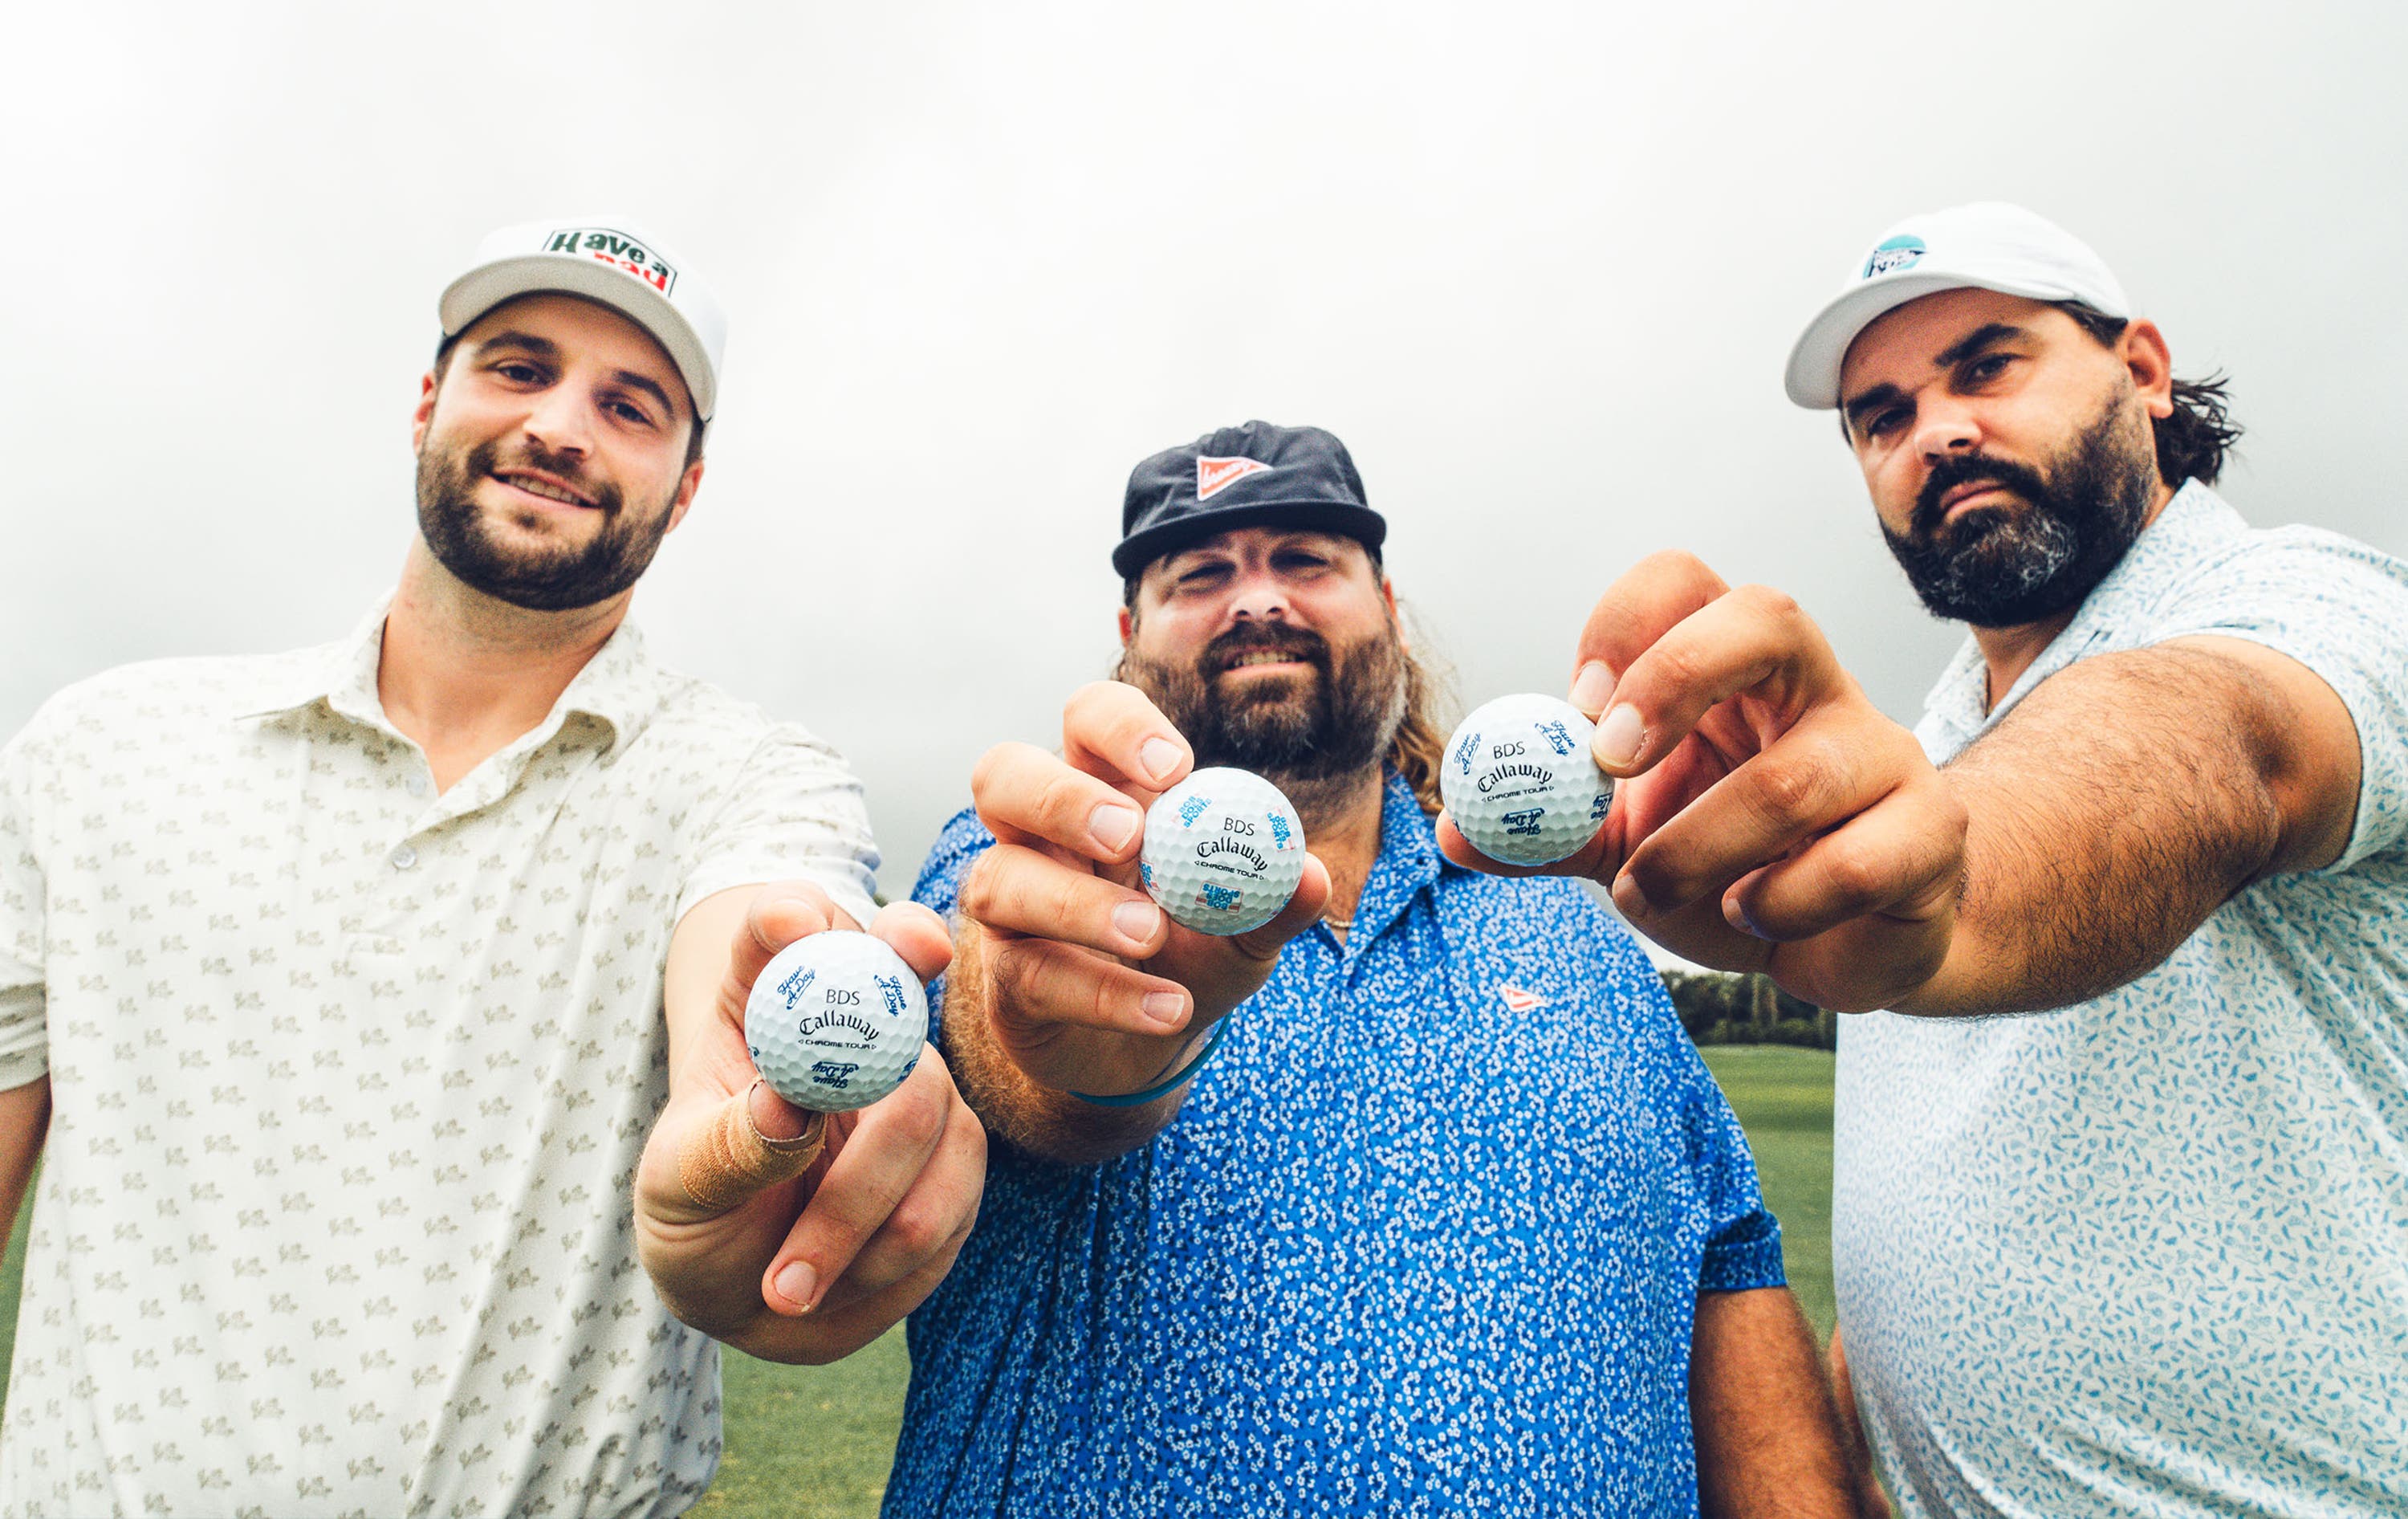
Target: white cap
610,259
1988,245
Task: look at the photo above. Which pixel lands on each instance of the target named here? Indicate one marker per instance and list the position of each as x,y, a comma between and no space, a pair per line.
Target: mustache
1300,644
1964,470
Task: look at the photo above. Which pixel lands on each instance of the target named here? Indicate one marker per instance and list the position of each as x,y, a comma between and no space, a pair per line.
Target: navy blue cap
1253,475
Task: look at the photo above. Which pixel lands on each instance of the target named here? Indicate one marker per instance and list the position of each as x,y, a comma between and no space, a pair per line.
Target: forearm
1041,1119
1854,1447
2108,817
24,1124
1766,1431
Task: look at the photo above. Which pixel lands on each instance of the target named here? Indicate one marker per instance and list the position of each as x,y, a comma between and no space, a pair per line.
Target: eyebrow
1978,340
525,342
1965,348
544,348
1871,401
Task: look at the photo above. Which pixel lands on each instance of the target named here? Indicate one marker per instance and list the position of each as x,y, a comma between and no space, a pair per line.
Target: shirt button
403,857
418,785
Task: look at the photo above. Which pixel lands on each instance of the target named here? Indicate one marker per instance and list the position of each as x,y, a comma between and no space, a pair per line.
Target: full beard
1996,567
560,578
1320,738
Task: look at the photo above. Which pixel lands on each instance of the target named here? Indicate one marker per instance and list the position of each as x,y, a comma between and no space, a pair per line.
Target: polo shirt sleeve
1743,1249
939,888
793,814
24,1028
1742,1237
2341,609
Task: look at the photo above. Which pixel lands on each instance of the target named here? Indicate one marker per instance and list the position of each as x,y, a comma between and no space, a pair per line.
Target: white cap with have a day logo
609,259
1988,245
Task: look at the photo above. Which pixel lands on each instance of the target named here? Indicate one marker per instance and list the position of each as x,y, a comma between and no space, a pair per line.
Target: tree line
1720,1009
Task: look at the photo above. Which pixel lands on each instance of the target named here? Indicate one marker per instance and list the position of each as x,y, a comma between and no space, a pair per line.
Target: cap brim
483,288
1145,547
1812,378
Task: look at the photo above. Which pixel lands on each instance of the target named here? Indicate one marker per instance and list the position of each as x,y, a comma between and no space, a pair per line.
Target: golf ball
836,1022
1224,851
1519,781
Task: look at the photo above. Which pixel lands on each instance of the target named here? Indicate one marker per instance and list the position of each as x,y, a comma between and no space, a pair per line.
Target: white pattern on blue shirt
2148,1255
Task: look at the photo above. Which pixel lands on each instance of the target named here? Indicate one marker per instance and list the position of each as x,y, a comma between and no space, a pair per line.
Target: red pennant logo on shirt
1213,475
1518,1000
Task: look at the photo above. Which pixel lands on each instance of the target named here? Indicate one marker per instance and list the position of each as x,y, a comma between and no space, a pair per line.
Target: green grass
1783,1097
804,1442
808,1441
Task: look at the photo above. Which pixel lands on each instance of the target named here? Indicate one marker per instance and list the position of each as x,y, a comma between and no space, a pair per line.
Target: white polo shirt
351,1081
2148,1255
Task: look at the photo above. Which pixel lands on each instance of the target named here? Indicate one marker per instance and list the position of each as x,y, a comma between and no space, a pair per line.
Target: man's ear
424,409
688,483
1129,626
2151,365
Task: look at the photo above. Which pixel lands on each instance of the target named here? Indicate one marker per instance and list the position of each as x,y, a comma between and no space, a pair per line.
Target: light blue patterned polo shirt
1426,1238
2149,1254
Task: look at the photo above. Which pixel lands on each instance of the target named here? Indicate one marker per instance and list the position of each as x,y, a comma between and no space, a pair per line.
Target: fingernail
1159,756
1735,913
1630,899
1137,920
1592,688
1618,738
1164,1008
795,1282
1114,824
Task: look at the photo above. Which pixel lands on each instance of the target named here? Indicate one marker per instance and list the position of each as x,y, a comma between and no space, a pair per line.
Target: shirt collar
615,687
1409,860
2195,519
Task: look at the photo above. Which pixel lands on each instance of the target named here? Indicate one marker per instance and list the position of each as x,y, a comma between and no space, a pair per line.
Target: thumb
752,1140
1302,912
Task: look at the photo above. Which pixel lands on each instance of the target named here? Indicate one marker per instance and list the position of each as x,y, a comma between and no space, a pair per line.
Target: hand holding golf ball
1093,979
1224,851
1766,815
836,1022
1519,781
763,1205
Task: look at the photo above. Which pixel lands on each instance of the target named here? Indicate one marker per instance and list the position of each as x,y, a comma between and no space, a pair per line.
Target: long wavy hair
1420,744
2193,440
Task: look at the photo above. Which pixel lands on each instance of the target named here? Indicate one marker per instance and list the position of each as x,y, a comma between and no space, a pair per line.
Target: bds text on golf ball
1224,851
1519,781
835,1021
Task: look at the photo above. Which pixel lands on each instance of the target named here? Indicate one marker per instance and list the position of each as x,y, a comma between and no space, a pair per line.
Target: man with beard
1416,1199
2144,1250
345,985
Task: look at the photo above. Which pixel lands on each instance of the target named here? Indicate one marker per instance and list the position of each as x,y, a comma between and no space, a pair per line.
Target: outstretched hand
1090,987
1766,815
794,1235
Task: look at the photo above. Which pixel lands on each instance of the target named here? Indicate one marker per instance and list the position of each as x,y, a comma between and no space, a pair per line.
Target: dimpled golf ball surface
1518,781
836,1022
1224,851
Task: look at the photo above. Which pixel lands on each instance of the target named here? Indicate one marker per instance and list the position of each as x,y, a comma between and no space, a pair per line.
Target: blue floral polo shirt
1426,1238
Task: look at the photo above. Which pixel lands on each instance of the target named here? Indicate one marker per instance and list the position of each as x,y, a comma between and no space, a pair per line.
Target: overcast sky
1538,265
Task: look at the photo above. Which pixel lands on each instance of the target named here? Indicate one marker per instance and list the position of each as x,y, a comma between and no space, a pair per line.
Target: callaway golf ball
1224,851
1519,781
836,1022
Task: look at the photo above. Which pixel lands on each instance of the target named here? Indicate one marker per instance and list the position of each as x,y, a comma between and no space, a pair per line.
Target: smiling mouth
543,486
1261,659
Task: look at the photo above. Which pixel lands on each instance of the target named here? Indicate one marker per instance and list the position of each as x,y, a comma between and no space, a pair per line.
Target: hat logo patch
1895,253
617,249
1213,475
